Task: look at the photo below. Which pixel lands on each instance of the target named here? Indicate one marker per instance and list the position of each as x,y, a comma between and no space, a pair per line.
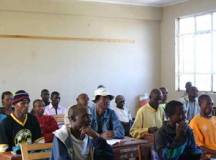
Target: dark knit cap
20,96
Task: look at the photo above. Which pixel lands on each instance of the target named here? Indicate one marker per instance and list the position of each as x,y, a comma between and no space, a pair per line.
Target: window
196,52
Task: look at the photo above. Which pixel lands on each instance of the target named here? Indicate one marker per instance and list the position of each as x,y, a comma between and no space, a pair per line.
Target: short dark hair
171,106
101,86
96,99
36,101
5,93
44,90
74,111
55,93
202,97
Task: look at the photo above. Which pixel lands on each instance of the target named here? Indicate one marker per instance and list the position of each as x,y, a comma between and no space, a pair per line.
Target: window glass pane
187,53
181,55
184,79
214,83
203,23
186,25
214,21
203,82
203,53
214,53
195,54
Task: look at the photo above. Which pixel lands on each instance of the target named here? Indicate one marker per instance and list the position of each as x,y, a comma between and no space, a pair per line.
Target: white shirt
50,110
123,114
191,108
81,148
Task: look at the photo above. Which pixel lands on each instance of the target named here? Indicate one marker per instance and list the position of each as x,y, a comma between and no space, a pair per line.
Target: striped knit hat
20,96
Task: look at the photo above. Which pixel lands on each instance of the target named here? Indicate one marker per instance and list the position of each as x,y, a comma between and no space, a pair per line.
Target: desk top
9,156
131,148
127,141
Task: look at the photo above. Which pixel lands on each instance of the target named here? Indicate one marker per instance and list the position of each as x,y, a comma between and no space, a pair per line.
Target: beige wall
168,38
72,67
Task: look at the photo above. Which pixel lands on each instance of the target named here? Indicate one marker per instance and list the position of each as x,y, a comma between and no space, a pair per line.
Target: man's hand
107,135
149,137
180,130
152,129
90,132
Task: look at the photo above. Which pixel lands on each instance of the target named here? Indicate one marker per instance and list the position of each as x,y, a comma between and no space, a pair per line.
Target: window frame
178,36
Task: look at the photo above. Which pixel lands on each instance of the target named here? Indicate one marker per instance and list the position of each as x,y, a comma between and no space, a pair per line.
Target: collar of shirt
50,106
105,115
151,108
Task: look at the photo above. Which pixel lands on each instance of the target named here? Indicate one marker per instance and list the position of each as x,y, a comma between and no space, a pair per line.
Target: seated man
164,92
191,105
20,127
54,108
204,126
174,140
164,99
73,142
82,100
187,87
47,123
104,120
45,96
6,98
123,113
149,117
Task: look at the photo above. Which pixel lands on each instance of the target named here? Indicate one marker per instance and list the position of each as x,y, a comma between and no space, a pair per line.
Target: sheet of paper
113,141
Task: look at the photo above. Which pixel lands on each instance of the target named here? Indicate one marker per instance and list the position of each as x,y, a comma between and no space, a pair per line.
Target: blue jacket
109,120
62,148
59,150
2,116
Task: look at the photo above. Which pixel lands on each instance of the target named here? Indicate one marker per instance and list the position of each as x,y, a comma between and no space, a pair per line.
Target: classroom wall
170,13
72,67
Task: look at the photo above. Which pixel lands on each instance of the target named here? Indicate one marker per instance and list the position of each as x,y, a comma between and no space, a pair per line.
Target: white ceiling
154,3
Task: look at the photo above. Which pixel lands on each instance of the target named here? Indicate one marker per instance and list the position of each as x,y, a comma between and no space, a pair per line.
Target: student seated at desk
123,113
45,96
204,126
103,119
73,141
164,92
163,103
6,109
149,117
175,140
20,126
47,123
191,105
54,108
82,100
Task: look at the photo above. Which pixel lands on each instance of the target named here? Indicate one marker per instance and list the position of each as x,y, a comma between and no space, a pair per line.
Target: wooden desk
132,144
9,156
119,149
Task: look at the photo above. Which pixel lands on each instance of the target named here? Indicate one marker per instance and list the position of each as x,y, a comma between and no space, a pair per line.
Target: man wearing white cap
104,120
